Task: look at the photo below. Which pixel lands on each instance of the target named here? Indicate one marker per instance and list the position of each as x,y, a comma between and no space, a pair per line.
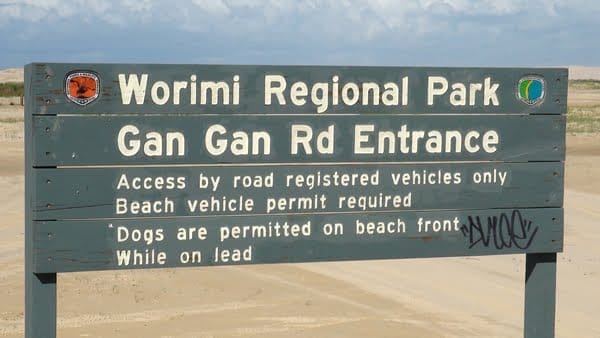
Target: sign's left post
40,288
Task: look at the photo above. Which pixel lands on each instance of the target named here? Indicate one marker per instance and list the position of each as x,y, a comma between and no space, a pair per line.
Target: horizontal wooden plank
49,89
126,140
113,192
62,246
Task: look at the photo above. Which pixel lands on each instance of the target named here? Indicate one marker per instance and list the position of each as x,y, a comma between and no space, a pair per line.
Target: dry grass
11,89
584,85
583,119
11,119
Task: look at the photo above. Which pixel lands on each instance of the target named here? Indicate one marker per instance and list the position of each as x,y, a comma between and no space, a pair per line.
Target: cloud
348,31
350,18
216,7
51,11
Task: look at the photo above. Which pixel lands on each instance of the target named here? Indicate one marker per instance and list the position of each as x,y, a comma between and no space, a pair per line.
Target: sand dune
575,73
11,75
584,73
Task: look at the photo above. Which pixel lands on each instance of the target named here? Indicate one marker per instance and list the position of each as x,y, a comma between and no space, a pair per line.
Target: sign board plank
62,246
129,140
181,191
494,89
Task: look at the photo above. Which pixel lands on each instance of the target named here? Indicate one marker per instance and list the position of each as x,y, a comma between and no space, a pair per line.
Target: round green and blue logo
531,89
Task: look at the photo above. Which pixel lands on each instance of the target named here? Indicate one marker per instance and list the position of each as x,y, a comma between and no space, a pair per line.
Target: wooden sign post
155,166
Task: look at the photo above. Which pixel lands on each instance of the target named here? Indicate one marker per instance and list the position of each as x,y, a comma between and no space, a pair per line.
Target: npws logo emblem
531,89
82,87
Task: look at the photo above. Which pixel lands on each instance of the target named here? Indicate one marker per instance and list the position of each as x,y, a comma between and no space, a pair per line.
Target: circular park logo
531,89
82,87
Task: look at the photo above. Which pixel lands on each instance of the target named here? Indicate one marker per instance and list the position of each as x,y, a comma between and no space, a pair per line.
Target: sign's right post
540,295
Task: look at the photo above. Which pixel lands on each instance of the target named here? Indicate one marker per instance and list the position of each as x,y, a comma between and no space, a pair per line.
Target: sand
589,97
584,73
11,75
448,297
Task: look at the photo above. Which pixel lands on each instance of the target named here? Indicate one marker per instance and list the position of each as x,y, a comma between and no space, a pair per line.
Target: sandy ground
584,73
580,97
449,297
11,75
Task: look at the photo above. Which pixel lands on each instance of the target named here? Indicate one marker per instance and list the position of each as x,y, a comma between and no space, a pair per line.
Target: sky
338,32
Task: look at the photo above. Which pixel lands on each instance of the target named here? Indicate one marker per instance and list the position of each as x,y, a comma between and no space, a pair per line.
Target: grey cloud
483,32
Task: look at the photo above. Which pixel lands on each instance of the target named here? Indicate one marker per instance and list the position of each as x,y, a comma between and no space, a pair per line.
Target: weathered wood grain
48,88
91,192
92,140
61,246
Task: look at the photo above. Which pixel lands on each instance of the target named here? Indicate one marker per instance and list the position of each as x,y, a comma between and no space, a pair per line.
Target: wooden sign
152,166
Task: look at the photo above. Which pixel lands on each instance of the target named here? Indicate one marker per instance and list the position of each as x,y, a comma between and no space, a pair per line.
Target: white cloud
334,19
269,27
215,7
138,6
40,11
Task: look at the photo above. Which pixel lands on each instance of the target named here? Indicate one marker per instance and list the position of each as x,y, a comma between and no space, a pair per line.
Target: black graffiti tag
500,231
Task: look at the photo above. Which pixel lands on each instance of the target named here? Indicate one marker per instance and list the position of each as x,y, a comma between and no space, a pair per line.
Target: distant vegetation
584,84
11,120
11,89
583,119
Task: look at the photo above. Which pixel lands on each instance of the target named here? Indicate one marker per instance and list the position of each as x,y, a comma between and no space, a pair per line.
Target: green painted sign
77,193
214,89
173,242
152,166
194,139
